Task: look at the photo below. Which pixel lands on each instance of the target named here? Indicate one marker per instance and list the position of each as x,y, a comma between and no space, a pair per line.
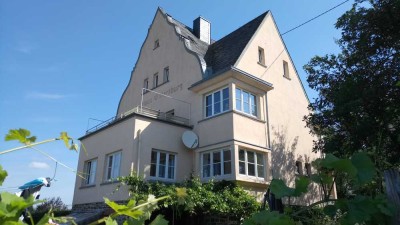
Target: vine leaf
301,186
3,175
12,206
110,221
21,135
64,136
123,209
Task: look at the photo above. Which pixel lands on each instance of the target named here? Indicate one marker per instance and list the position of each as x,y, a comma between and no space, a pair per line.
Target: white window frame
166,74
113,167
211,165
241,101
256,163
90,168
261,56
167,166
155,80
285,65
214,101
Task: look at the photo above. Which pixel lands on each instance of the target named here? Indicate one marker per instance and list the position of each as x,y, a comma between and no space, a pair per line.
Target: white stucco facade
248,117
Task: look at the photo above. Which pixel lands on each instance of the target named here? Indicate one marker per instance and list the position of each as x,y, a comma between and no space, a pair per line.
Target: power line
315,17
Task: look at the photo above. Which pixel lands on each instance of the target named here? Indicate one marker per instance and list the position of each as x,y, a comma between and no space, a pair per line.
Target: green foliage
361,209
21,135
197,198
3,175
12,206
55,204
358,107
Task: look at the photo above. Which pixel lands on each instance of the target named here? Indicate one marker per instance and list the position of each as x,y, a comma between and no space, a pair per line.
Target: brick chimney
202,29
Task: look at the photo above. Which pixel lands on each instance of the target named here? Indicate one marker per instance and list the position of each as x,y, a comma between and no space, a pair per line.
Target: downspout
139,146
267,118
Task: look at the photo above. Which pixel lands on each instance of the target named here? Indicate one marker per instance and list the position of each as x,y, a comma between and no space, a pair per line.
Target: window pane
171,172
253,105
246,103
225,105
161,170
238,94
260,159
260,171
153,170
206,171
217,163
227,155
251,169
208,111
241,155
217,102
163,158
250,157
153,157
206,159
92,171
117,161
225,93
227,167
171,160
208,100
242,169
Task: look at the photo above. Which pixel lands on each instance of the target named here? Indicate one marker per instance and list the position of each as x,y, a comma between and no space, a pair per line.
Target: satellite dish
190,139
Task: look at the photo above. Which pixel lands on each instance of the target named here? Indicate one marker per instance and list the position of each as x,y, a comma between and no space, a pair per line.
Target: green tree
358,107
53,203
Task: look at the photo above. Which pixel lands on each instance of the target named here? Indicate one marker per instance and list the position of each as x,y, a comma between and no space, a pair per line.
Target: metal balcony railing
148,112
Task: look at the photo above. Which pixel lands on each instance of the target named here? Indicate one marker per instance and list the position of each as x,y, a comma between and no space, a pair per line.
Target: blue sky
63,62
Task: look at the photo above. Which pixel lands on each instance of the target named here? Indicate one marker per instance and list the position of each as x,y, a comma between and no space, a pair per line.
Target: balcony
144,111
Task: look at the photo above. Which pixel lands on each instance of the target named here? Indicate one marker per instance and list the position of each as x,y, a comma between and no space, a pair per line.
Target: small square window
286,69
166,74
146,84
155,80
261,56
156,44
113,163
307,167
299,168
89,169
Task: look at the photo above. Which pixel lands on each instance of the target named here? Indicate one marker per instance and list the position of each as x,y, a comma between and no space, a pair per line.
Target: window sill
219,177
87,186
164,180
109,182
248,116
287,77
262,64
214,116
252,178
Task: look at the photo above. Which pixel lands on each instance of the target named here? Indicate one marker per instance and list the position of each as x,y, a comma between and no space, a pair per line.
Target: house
238,102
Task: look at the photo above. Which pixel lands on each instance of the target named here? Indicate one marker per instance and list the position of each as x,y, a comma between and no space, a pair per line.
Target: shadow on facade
283,164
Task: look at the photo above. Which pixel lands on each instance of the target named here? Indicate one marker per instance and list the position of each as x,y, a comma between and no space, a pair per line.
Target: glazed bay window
89,172
217,102
162,165
113,164
246,102
216,163
251,163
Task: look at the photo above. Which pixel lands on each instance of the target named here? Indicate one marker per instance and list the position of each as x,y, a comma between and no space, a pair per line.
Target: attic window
299,168
286,69
156,44
261,56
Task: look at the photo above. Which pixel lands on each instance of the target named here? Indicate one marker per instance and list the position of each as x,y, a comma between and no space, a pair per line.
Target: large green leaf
21,135
110,221
12,206
339,165
270,218
3,175
365,167
301,186
124,210
279,188
159,220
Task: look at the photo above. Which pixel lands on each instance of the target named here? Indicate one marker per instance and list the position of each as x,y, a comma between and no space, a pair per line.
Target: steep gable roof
225,52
